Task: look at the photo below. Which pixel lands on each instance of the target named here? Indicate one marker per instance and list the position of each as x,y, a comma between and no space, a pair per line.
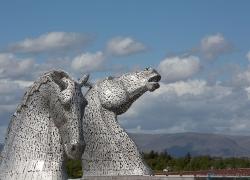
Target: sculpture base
140,178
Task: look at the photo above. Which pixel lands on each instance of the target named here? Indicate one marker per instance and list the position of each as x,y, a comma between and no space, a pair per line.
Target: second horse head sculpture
109,150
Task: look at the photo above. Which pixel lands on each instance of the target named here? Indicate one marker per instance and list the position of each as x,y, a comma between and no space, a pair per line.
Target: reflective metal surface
46,127
109,150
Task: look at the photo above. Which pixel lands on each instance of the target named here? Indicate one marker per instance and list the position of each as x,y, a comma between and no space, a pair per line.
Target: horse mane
51,76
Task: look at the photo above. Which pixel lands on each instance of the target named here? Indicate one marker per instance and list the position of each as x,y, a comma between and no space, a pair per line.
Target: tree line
160,161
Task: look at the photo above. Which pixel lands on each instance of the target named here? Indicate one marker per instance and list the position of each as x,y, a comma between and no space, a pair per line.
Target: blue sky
200,48
165,26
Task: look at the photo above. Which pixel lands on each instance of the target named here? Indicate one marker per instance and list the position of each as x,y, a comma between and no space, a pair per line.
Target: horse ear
64,84
84,80
67,93
110,78
59,77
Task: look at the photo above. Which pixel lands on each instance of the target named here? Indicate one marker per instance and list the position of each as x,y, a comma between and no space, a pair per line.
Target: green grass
74,168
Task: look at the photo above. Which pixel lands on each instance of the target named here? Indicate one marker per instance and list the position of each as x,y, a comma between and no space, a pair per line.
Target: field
181,165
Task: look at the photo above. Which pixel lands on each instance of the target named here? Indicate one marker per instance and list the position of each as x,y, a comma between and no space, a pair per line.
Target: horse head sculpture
109,150
118,94
45,130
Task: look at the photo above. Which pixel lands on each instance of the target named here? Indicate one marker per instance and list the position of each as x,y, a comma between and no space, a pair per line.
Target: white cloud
11,92
180,88
242,78
194,88
9,86
186,90
122,46
7,108
248,56
214,45
192,106
13,67
88,62
178,68
2,133
49,42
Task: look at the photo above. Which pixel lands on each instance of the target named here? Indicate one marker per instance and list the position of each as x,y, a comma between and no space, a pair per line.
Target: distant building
214,172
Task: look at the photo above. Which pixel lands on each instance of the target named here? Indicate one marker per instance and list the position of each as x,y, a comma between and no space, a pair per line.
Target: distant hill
195,143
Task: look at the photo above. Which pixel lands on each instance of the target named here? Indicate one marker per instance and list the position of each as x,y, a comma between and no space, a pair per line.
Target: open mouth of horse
153,82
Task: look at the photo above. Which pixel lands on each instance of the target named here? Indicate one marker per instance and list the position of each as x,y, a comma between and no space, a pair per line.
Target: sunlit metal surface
109,150
46,127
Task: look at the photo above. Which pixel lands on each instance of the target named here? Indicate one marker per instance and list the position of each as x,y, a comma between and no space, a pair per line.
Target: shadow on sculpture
109,150
46,127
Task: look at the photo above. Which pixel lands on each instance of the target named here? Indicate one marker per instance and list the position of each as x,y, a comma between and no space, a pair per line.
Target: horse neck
32,134
107,142
94,109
